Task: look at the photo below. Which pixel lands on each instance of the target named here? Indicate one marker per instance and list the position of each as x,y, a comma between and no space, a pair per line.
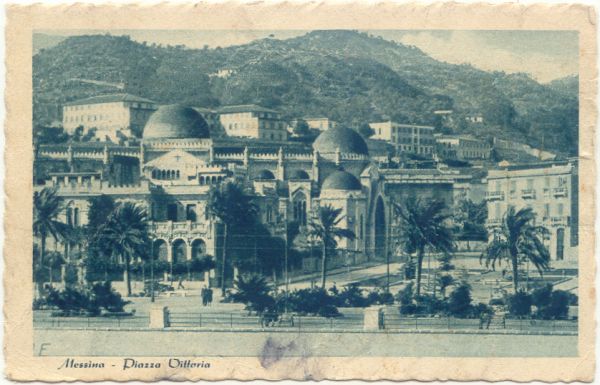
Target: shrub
71,275
351,296
410,269
380,298
430,305
104,296
253,291
405,297
481,309
519,304
542,296
329,311
557,306
310,301
459,302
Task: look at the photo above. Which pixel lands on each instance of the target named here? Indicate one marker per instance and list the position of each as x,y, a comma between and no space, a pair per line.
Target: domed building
340,140
175,122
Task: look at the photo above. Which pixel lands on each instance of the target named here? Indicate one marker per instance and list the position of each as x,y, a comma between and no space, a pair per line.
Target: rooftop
244,108
111,98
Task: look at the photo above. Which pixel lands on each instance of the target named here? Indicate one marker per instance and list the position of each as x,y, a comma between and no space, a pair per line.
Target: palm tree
423,226
47,206
324,227
517,240
126,235
236,210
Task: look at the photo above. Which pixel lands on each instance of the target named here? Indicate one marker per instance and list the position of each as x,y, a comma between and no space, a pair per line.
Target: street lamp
151,269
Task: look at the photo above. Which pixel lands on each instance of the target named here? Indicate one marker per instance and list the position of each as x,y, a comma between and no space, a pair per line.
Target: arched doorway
198,248
160,250
380,228
179,249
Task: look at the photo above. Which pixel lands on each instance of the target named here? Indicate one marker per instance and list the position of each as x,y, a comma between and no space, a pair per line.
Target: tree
126,235
423,225
518,240
236,210
472,216
253,291
365,130
47,206
99,210
301,128
324,227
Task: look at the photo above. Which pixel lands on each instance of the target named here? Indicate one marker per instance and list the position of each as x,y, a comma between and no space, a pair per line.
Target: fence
236,321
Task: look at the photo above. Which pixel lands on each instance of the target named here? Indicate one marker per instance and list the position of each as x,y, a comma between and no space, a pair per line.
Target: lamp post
151,269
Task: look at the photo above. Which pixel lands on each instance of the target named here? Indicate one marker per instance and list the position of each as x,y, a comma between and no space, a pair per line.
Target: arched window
177,174
299,208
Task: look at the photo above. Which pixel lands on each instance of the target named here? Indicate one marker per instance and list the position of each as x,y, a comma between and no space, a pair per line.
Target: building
252,121
108,115
550,189
406,137
462,147
177,164
321,124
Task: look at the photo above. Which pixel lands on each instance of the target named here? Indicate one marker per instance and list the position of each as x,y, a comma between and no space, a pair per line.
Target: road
56,342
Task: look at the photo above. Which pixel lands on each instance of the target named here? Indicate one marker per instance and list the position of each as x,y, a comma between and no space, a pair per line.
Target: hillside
345,75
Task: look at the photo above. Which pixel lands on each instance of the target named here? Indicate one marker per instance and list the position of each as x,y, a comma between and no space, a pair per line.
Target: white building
252,121
550,189
108,114
321,124
406,137
463,147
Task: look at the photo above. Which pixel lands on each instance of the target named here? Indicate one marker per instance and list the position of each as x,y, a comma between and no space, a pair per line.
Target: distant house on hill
321,124
463,147
253,121
406,137
108,115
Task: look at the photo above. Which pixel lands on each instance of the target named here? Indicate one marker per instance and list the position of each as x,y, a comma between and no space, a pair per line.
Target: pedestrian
180,284
209,296
203,295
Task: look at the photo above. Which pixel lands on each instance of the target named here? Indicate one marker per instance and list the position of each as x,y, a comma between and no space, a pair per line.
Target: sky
545,55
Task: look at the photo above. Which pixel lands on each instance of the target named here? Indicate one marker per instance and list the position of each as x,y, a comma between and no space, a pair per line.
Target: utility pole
151,269
287,279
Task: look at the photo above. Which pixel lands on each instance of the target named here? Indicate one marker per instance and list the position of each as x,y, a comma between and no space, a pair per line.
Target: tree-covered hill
348,76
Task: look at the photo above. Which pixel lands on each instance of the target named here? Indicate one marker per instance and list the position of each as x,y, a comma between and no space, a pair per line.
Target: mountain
348,76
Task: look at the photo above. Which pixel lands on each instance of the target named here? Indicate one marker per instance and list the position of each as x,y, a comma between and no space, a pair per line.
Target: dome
176,122
346,139
265,175
299,174
341,180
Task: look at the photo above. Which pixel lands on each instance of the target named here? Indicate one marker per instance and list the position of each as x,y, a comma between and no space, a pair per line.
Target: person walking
203,294
209,296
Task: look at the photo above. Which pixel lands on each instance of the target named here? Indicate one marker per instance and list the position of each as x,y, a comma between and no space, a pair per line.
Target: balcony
495,195
559,221
528,194
171,229
560,192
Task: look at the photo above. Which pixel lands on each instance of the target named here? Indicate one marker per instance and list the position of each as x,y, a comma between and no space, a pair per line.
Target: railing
528,193
495,195
128,322
170,227
559,221
244,321
560,192
397,322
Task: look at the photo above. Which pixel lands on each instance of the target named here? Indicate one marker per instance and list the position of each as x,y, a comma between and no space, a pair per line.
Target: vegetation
325,227
125,235
253,291
518,240
424,228
85,301
349,76
471,218
237,211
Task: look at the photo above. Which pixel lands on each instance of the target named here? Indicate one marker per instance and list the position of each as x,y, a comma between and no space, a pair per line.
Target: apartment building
463,147
406,137
551,190
253,121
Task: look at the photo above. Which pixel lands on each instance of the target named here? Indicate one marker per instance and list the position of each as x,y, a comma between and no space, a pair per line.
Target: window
190,213
360,229
172,212
560,209
529,184
546,210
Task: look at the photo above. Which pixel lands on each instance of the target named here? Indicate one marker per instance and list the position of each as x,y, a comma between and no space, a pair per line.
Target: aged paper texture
300,191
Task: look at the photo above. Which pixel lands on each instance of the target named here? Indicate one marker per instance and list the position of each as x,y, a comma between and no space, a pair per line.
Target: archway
299,207
179,249
160,250
380,228
198,248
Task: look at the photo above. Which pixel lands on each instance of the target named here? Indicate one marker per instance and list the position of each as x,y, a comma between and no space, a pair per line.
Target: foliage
71,275
459,301
253,291
47,206
410,269
444,281
49,135
100,208
348,76
519,304
311,301
424,226
351,296
551,304
471,218
365,130
517,240
325,228
104,296
380,298
126,235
